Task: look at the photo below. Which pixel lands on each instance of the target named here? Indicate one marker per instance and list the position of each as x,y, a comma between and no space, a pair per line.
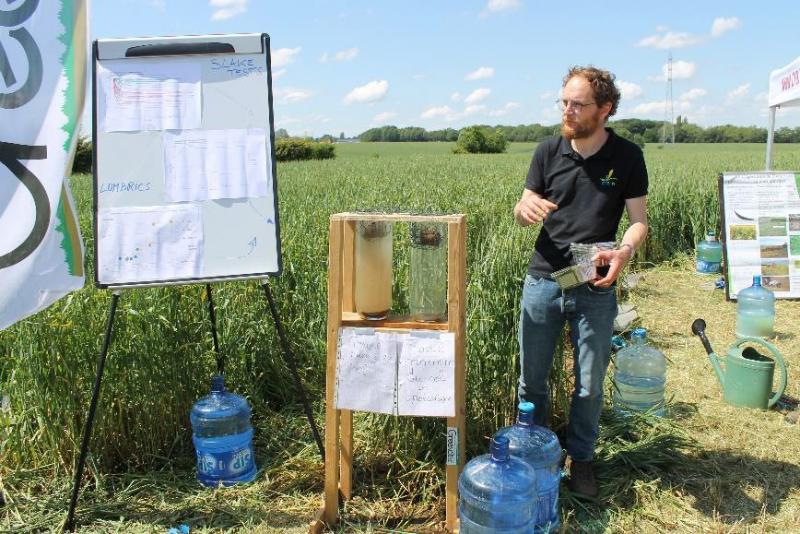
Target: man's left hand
616,260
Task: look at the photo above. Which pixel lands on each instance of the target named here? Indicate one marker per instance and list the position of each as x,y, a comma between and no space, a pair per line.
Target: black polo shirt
590,194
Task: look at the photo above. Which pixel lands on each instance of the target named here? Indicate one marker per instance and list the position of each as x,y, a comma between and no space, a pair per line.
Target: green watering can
747,379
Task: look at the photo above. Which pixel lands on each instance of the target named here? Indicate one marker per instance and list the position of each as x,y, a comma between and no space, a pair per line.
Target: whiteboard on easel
184,163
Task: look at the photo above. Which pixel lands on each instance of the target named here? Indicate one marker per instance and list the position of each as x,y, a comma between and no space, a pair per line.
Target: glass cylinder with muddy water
428,272
373,269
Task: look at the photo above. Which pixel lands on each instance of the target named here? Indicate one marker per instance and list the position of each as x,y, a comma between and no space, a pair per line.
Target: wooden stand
341,312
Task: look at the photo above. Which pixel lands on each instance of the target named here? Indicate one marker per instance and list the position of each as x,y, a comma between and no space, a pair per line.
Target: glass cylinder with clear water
708,255
539,447
223,437
639,376
497,493
428,272
755,311
373,269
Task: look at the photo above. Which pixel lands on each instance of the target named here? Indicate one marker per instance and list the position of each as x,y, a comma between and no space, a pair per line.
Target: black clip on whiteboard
184,171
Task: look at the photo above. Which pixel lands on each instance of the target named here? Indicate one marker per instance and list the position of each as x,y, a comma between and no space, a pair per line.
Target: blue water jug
223,437
755,310
708,254
639,376
539,447
497,493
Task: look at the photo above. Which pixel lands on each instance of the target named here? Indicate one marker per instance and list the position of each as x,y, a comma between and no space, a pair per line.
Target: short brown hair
602,82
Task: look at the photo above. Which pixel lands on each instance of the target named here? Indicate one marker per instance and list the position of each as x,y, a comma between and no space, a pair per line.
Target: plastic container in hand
639,376
755,311
539,447
708,255
223,437
497,493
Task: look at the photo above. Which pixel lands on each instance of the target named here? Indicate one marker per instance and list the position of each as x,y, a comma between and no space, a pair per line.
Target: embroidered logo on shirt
609,180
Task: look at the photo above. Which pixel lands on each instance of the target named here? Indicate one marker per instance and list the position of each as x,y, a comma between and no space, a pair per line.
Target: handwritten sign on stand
396,373
426,374
366,375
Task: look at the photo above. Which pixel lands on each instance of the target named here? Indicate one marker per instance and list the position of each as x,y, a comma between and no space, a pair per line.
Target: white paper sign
146,94
784,85
366,371
396,373
149,243
216,164
426,375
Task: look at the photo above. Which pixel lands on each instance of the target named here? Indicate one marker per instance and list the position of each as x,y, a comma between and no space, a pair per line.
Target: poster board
761,230
184,166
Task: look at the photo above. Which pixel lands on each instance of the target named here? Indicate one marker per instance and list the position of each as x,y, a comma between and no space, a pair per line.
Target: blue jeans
590,311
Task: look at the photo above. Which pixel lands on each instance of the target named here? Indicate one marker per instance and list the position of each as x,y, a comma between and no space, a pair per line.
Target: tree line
640,131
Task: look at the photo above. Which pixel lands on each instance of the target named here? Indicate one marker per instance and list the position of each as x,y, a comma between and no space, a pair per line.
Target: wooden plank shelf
393,322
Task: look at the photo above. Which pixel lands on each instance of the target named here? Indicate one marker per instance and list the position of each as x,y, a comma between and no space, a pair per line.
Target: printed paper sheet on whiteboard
144,243
215,164
149,96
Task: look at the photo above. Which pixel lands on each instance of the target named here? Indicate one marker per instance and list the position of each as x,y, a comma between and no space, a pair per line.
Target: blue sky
347,66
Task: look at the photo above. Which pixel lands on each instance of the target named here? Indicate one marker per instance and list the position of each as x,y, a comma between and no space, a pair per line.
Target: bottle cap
639,333
526,407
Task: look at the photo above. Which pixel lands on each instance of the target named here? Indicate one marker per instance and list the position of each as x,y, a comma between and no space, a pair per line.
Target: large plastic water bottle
539,447
708,254
223,437
755,310
497,493
639,376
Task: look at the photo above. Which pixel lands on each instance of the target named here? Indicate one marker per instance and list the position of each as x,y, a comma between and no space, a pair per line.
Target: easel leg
293,367
69,525
213,316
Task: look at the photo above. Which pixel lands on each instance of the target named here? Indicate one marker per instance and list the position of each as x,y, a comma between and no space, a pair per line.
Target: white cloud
482,73
226,9
290,95
347,55
547,96
656,109
370,92
671,40
722,25
661,28
629,89
762,97
456,97
477,95
434,112
681,70
496,6
160,5
472,110
691,94
342,55
283,56
418,77
510,106
740,92
278,74
385,116
649,108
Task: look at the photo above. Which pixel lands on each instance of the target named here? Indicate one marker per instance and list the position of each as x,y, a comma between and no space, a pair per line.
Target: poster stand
341,313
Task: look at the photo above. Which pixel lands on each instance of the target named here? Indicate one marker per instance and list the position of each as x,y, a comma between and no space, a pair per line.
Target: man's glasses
574,105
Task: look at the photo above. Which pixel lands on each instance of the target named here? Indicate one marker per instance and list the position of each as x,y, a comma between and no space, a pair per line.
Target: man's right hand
532,208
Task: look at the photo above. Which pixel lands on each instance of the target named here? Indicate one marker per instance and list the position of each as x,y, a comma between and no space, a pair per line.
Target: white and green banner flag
43,50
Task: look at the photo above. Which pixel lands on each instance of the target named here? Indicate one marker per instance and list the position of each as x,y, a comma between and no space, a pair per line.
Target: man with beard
576,188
